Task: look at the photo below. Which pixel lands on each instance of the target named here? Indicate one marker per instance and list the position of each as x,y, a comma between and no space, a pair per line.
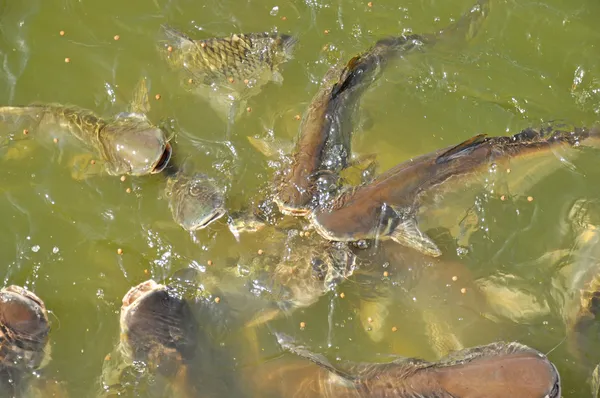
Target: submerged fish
324,142
24,337
127,143
496,370
228,70
578,284
388,207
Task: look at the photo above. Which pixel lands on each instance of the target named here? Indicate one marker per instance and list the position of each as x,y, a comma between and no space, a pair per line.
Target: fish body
496,370
127,143
231,69
387,207
324,141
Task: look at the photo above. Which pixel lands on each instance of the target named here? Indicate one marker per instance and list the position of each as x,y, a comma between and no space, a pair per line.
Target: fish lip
136,293
22,292
216,215
164,159
290,210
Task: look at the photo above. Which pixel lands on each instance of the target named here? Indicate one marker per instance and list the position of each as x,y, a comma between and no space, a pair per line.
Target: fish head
312,268
195,201
135,147
24,328
157,326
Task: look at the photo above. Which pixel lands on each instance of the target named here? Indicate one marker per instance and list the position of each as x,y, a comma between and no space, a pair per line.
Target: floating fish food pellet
386,274
119,251
116,37
62,33
123,178
530,198
248,109
217,300
342,295
297,117
370,4
157,96
209,262
302,325
455,278
55,140
128,190
260,252
394,329
67,60
170,49
463,290
25,132
92,161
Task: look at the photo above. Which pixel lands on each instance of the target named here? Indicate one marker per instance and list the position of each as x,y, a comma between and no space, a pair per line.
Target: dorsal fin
463,146
286,343
346,77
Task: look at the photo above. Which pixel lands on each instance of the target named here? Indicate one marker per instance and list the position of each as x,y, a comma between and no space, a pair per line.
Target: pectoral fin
85,166
271,149
139,100
407,233
286,342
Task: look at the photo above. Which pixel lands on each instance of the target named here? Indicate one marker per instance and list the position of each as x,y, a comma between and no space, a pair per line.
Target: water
532,62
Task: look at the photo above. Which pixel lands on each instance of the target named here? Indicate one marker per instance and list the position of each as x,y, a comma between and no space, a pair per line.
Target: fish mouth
291,210
164,159
26,294
136,293
207,221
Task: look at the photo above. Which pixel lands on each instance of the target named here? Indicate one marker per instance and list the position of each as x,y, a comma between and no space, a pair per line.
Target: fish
127,143
577,283
195,199
387,208
323,146
160,331
495,370
24,333
227,71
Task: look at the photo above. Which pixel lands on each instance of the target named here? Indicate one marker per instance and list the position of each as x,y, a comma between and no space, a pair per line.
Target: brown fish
496,370
388,207
324,140
159,331
24,339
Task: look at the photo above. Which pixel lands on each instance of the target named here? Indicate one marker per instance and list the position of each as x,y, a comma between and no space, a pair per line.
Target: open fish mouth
164,159
291,210
136,293
206,222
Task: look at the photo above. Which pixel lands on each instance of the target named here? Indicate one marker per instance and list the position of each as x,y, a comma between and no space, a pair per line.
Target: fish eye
195,189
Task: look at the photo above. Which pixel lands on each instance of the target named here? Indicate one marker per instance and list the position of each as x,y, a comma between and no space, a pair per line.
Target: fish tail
288,42
468,25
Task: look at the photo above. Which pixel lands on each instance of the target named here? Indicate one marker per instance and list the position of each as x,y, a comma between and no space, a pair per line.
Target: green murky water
532,62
